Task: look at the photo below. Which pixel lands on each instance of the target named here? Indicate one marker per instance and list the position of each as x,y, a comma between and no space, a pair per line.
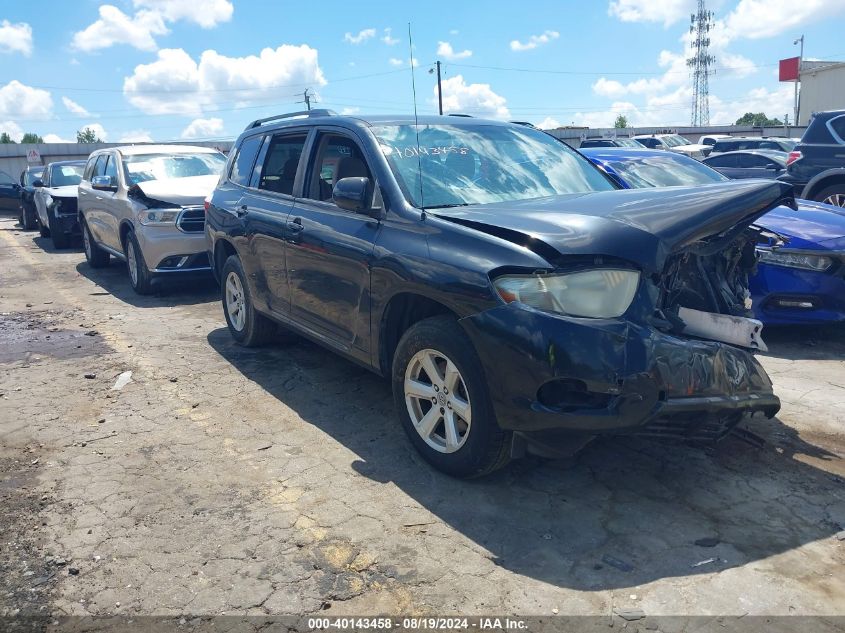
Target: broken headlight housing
158,217
791,259
602,293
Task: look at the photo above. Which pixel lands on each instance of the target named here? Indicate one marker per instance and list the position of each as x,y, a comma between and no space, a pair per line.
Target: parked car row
518,297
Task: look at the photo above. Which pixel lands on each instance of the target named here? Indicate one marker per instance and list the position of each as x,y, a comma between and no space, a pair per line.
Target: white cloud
12,129
388,37
350,111
756,19
203,128
362,36
208,15
548,123
115,27
98,130
74,108
15,38
445,50
534,41
475,99
19,101
135,136
666,11
176,84
398,63
775,103
55,138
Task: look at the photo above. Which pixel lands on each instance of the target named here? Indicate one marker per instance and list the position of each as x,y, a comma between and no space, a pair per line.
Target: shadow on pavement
806,342
184,290
623,513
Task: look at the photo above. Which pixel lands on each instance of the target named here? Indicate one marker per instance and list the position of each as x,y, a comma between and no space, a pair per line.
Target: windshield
479,164
144,167
627,142
664,171
673,140
31,175
65,175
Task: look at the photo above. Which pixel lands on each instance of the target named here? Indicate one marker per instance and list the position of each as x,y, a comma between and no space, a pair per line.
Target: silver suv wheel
235,301
437,401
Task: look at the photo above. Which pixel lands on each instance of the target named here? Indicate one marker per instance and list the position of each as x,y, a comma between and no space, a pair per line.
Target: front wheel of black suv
94,255
834,195
60,239
441,396
139,274
248,327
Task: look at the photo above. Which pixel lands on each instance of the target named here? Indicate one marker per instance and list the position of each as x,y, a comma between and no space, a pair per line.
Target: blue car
802,282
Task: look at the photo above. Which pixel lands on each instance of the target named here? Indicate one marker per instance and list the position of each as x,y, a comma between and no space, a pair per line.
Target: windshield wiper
446,206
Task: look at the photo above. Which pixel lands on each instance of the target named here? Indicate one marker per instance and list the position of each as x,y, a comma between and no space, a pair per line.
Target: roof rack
466,116
290,115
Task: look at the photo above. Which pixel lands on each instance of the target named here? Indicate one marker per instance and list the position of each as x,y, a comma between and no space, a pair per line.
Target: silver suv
144,204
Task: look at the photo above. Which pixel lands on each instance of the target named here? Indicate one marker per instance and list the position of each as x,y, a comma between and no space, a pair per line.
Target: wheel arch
223,249
822,181
125,228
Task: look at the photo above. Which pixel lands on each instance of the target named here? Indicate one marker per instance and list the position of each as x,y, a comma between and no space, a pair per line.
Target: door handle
295,225
241,211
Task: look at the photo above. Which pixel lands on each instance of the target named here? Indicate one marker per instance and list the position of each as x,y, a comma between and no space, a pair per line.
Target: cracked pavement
277,481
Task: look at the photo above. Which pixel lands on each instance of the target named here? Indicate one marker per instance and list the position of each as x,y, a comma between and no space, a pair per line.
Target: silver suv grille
191,220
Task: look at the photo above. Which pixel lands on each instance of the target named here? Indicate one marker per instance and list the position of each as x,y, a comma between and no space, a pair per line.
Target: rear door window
837,126
244,160
281,163
728,160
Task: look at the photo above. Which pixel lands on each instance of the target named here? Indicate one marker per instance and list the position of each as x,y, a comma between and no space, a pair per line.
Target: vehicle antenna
416,118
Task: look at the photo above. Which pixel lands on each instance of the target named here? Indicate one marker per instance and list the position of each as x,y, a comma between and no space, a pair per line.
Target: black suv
816,167
516,299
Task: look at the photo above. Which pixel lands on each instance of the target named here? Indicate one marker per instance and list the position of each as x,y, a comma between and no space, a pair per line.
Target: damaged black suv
516,299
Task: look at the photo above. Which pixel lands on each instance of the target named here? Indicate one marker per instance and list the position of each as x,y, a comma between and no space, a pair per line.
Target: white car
710,139
143,204
674,143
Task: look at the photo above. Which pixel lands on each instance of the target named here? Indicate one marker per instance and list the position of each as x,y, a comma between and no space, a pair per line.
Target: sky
166,70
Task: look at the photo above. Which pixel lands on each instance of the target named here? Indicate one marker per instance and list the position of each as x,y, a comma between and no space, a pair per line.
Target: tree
621,121
31,137
758,119
87,136
5,138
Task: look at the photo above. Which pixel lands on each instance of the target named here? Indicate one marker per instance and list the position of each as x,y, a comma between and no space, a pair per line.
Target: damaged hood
179,191
643,226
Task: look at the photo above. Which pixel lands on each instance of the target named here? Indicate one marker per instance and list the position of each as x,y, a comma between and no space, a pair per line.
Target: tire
94,255
139,275
471,449
834,195
60,240
43,231
248,327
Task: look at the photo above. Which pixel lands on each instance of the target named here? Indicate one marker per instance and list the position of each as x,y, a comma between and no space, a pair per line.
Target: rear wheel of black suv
441,396
139,274
834,195
248,327
94,255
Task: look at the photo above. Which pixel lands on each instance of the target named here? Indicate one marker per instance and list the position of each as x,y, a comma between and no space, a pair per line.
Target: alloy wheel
235,303
437,400
132,262
836,199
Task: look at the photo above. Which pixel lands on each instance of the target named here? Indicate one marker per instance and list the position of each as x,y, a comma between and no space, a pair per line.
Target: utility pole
307,99
800,40
699,63
439,91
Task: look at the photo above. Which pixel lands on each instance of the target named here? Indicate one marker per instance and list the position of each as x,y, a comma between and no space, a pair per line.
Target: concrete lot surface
277,481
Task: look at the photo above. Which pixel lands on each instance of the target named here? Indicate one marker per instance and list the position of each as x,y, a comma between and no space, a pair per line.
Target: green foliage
621,121
5,138
32,137
758,119
87,136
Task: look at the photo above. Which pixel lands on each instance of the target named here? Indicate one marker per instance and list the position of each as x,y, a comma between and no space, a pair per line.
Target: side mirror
352,194
38,183
102,182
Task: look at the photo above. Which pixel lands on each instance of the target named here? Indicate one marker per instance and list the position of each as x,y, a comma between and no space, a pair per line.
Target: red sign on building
789,69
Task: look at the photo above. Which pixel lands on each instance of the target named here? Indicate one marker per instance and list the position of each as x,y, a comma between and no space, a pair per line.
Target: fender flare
818,178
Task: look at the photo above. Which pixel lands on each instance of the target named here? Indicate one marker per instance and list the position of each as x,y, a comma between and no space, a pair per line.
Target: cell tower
700,24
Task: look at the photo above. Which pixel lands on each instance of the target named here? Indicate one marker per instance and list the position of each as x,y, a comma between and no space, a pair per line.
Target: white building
822,88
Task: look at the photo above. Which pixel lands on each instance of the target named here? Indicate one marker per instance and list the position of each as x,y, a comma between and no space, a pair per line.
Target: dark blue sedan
801,282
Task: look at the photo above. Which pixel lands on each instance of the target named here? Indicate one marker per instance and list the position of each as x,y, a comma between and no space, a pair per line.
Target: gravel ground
277,481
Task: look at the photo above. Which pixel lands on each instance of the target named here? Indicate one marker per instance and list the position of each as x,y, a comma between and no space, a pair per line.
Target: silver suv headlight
158,217
601,293
804,261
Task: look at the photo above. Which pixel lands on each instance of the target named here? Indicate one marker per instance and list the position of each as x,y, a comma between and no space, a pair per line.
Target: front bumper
593,376
168,250
790,296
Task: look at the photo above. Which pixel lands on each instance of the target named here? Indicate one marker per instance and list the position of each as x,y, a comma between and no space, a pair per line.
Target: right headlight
600,294
158,217
804,261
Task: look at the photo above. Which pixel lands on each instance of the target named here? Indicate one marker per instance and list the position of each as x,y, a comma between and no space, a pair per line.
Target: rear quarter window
837,127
